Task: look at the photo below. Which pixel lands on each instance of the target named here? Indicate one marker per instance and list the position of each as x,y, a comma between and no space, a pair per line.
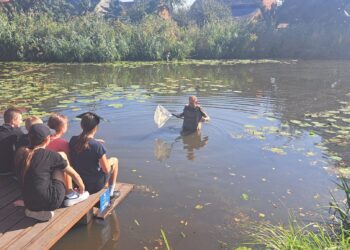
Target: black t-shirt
8,139
192,117
86,163
23,141
39,189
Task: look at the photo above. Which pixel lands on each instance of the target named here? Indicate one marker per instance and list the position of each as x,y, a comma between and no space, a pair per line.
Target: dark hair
28,153
57,122
10,114
88,123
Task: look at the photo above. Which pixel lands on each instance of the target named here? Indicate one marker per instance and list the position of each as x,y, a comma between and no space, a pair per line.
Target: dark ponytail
82,143
88,124
25,156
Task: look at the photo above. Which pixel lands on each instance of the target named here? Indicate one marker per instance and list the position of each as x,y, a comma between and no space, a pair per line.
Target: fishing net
161,116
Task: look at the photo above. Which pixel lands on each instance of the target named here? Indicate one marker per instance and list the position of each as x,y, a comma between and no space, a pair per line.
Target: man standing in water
193,115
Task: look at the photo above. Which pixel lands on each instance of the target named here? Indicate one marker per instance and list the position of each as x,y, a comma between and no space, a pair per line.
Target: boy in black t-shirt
10,133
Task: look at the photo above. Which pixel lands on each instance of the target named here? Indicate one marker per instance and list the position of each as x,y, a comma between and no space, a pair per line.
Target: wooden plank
18,231
46,237
124,189
5,181
10,198
28,233
8,189
7,211
11,220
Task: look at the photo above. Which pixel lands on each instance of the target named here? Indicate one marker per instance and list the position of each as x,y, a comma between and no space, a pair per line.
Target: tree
203,11
181,17
299,11
114,10
170,4
56,8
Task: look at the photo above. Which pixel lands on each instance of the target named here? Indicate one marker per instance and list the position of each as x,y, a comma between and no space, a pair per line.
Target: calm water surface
256,159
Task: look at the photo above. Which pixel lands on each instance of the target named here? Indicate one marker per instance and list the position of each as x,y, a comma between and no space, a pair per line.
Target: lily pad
245,197
335,158
199,206
116,105
279,151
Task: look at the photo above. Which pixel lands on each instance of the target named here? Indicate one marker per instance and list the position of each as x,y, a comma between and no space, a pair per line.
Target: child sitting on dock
43,175
10,133
24,139
59,123
89,158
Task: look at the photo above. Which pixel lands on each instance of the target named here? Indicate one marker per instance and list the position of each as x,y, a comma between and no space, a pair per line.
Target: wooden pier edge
20,232
124,189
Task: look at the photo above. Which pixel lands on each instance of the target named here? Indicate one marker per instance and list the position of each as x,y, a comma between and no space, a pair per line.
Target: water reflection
191,142
162,149
108,235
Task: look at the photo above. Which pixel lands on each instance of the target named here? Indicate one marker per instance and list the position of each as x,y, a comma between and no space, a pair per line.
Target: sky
189,2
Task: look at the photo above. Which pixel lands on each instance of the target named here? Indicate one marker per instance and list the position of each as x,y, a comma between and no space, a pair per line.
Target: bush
303,40
154,37
225,39
90,38
39,38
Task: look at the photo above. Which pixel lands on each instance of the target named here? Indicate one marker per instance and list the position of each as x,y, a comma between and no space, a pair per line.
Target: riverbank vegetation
156,30
327,234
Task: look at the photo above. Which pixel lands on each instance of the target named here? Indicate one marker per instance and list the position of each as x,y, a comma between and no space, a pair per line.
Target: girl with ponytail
89,158
42,173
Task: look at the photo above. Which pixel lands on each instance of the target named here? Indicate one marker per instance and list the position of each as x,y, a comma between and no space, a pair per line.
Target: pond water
277,138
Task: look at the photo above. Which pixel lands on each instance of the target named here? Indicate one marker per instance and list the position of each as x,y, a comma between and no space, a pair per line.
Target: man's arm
179,115
205,116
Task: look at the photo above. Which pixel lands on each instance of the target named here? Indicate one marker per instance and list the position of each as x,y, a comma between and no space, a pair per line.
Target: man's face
17,121
193,101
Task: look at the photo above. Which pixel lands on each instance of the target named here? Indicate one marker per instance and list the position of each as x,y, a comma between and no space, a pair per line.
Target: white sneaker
39,215
115,194
75,197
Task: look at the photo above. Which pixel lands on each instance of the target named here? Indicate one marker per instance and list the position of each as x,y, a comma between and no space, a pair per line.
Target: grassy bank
89,38
331,234
93,39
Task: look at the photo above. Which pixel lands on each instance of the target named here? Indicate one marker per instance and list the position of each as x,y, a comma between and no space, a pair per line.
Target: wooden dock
20,232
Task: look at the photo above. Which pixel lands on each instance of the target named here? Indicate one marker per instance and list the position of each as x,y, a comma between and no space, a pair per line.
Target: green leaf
245,197
116,105
199,206
335,158
165,239
279,151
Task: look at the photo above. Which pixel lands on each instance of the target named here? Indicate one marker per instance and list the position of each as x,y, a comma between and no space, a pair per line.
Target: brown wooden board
10,197
124,189
5,181
20,232
46,234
